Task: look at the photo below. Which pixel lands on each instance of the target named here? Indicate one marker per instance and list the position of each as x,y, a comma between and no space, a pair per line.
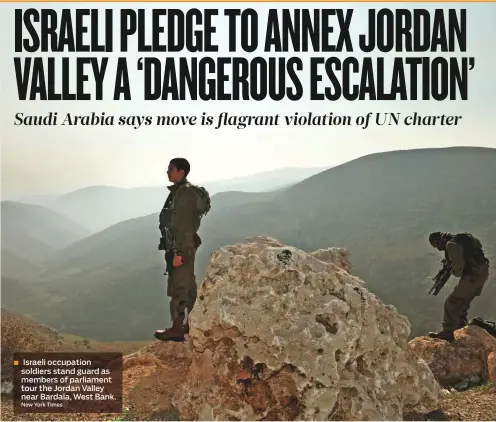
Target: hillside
15,266
33,233
112,247
118,273
24,334
115,246
264,181
20,333
99,207
381,207
125,307
25,297
228,199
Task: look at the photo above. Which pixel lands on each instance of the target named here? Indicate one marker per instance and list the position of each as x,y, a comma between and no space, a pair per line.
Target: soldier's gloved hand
177,260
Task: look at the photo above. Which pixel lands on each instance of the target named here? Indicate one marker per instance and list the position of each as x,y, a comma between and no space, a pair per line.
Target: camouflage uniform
473,271
473,276
180,216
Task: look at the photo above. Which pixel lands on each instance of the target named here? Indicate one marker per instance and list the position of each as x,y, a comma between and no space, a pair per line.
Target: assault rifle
167,244
441,277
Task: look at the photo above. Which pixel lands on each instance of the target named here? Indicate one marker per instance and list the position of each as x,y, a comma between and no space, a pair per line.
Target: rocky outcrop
461,364
336,256
281,334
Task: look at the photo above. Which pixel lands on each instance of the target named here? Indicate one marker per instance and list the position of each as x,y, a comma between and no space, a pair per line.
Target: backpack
202,204
203,200
472,247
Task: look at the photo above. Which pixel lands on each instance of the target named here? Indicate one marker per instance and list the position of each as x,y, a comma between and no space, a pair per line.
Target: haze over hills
92,270
99,207
33,233
118,274
381,207
265,181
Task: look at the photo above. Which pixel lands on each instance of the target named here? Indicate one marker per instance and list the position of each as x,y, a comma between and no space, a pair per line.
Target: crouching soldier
179,222
468,262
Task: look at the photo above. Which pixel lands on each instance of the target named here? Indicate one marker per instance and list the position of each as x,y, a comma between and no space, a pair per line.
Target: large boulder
463,363
280,334
491,367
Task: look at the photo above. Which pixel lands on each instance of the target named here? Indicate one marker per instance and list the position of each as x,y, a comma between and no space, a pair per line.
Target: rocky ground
279,334
477,403
150,378
153,374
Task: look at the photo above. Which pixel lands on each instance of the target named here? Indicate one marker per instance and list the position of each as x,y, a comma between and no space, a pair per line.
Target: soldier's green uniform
470,265
180,217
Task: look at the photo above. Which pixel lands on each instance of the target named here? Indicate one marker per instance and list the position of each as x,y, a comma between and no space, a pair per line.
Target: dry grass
22,333
90,345
475,404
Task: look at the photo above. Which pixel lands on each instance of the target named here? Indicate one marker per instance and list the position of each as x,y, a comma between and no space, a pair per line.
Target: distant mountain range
34,232
99,207
109,285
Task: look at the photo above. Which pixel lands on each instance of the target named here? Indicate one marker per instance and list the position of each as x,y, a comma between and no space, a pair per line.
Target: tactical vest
166,212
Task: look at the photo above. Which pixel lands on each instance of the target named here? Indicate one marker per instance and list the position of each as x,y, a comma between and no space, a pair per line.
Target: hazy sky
58,159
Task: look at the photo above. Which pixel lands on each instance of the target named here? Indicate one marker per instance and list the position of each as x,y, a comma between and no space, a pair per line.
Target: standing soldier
468,262
179,222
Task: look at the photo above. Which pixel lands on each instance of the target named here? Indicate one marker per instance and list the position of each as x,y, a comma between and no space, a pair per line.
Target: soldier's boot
175,333
446,335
